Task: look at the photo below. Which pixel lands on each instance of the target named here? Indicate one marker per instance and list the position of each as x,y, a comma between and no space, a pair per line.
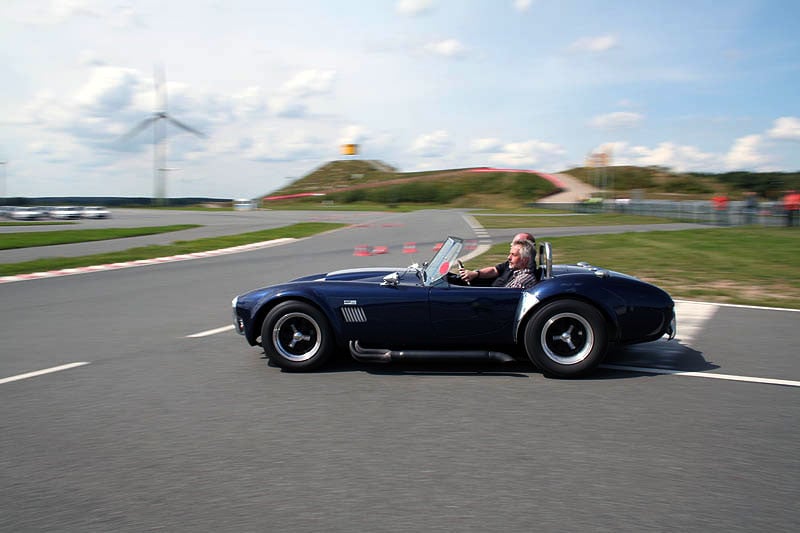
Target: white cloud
746,154
681,158
413,7
291,100
446,48
486,145
433,144
617,120
353,134
522,5
526,153
786,128
248,102
108,89
63,9
600,43
270,146
309,82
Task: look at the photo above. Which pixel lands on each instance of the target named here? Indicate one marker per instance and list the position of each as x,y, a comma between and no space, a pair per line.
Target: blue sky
278,86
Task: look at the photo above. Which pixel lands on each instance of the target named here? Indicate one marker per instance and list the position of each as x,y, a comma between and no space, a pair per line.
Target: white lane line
729,377
210,332
739,306
42,372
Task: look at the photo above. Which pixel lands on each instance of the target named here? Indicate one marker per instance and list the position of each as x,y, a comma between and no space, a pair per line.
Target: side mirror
390,280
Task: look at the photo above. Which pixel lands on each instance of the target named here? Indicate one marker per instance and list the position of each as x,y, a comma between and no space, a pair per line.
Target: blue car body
564,322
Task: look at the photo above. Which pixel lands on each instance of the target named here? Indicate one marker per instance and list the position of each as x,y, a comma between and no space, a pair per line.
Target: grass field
179,247
32,239
755,266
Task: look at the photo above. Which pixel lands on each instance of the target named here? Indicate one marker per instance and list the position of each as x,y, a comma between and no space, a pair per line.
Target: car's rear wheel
566,338
296,336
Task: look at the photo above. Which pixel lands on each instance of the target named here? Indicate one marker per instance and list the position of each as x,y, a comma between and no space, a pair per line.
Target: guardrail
697,211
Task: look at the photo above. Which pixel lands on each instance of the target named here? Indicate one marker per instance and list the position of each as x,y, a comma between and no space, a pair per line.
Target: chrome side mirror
390,280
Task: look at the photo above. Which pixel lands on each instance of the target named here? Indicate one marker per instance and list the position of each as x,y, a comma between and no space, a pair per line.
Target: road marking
729,377
210,332
739,306
42,372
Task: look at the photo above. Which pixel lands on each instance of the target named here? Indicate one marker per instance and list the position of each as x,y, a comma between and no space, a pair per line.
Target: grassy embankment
752,265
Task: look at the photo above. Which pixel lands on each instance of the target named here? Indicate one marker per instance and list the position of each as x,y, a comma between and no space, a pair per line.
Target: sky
276,87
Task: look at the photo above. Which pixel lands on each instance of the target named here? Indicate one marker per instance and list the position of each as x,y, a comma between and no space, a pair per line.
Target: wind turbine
159,120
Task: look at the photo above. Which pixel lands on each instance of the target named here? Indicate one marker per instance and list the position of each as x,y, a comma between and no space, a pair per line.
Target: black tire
566,338
296,336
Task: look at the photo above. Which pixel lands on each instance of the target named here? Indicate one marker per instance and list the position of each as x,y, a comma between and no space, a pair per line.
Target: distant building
244,204
349,149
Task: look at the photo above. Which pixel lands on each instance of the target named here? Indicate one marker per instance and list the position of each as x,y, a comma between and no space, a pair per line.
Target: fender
589,289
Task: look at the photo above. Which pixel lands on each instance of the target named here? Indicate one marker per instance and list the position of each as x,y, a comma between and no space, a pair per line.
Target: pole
3,180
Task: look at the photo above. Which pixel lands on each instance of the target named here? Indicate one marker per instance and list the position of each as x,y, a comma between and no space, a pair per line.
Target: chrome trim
387,355
238,323
526,303
566,337
354,314
298,336
546,260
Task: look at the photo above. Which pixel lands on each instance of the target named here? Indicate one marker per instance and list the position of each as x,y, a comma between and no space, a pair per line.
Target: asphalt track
174,423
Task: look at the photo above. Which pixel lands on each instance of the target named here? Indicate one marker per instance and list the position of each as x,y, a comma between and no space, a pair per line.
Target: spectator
791,205
720,203
750,208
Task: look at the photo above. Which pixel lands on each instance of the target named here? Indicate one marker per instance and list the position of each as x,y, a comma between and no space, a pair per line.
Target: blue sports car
564,324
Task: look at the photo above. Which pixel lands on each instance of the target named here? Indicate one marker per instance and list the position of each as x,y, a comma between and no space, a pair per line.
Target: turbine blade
185,127
141,126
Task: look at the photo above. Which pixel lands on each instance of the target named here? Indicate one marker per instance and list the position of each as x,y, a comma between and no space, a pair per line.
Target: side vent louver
353,313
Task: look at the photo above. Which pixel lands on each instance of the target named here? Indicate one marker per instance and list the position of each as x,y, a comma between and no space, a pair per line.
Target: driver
517,271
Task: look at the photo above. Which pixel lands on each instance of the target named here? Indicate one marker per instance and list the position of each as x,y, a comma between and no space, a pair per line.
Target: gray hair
527,252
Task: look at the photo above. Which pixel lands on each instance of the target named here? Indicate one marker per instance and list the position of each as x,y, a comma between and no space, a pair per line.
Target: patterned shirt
521,279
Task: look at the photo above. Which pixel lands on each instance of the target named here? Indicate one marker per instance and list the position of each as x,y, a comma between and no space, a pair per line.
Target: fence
697,211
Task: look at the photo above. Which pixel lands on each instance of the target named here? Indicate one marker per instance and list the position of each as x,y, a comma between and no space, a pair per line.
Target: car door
382,316
473,315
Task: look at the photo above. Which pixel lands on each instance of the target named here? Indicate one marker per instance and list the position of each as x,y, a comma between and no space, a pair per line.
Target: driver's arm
482,273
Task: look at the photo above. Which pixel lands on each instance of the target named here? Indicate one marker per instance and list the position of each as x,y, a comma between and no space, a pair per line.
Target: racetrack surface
161,430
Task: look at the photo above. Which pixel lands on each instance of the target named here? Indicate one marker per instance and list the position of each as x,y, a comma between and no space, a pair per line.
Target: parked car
25,213
95,211
564,324
66,212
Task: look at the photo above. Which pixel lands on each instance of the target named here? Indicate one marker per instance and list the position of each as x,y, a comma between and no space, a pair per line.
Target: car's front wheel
566,338
296,336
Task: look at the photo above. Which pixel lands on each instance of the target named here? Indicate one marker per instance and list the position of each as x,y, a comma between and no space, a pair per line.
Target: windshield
443,260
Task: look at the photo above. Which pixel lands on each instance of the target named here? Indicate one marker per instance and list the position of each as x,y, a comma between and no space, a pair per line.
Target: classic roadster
564,324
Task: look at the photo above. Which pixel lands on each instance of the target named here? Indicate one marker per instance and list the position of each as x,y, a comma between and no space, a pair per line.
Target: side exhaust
385,355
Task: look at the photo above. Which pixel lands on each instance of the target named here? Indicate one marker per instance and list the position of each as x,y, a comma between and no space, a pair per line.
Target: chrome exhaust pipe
385,355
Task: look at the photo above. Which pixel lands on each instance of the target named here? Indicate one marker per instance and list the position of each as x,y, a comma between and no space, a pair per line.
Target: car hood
375,274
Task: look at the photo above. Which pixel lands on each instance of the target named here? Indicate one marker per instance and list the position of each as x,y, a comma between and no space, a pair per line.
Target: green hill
374,182
358,181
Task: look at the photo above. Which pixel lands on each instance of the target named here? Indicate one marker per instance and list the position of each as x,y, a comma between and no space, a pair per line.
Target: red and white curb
145,262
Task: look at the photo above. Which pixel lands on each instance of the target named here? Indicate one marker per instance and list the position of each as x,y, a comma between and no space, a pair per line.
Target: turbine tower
159,120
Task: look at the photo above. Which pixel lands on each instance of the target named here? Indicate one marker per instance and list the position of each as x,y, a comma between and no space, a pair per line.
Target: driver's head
527,244
520,238
521,255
